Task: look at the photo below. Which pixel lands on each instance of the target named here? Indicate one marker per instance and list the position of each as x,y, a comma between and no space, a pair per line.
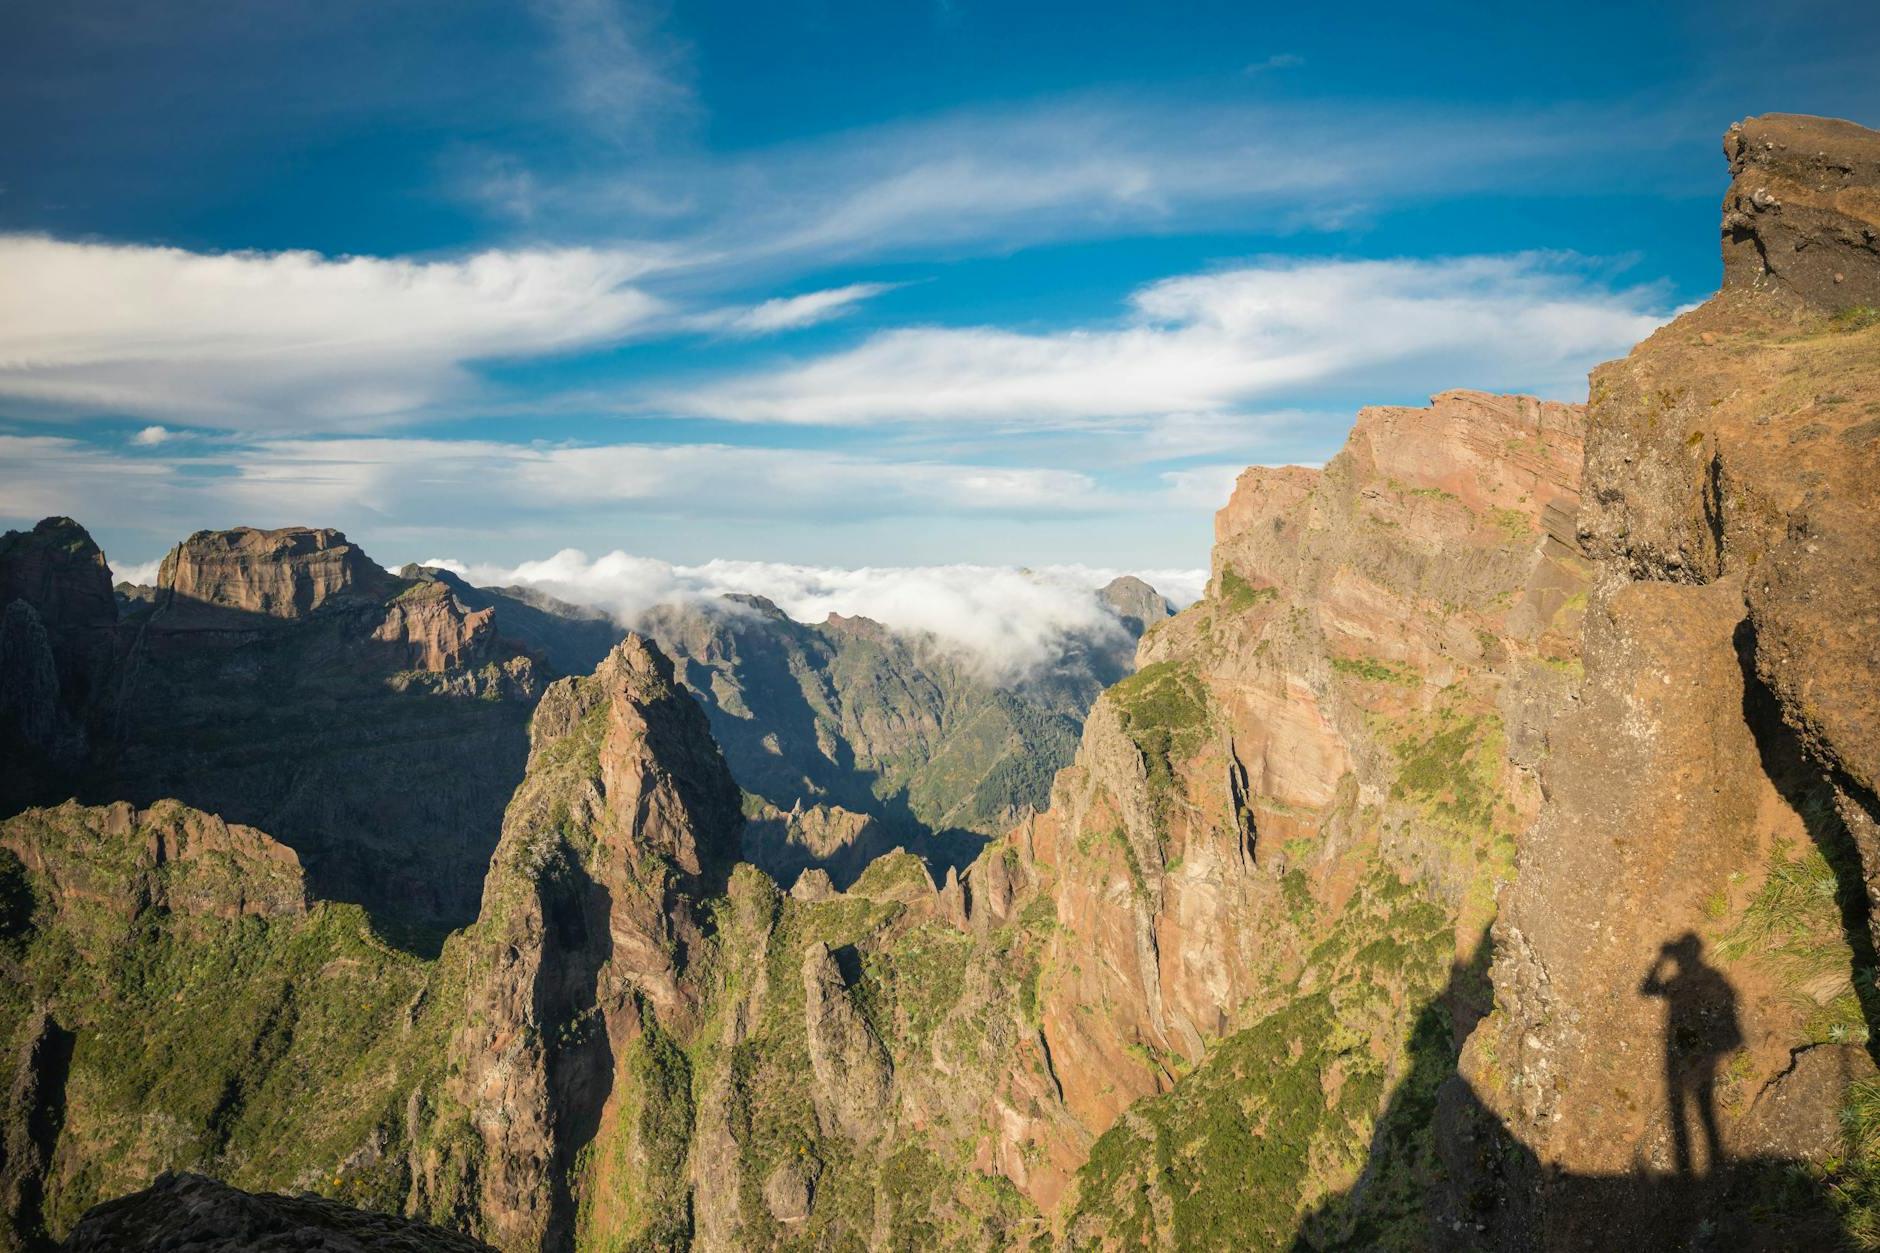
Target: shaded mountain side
57,628
182,1213
278,678
895,738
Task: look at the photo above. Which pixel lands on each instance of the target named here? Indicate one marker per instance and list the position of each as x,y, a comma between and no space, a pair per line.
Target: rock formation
626,821
1683,961
279,679
1333,747
217,578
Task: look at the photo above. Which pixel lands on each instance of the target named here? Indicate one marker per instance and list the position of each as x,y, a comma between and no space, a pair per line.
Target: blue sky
827,283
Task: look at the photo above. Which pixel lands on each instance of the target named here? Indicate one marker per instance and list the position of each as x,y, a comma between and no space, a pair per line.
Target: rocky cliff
1684,964
216,578
580,977
1281,832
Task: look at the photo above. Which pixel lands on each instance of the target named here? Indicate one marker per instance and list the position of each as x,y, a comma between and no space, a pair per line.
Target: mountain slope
886,738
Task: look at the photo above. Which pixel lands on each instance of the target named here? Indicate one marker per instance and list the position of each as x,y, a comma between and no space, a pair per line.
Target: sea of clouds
1008,620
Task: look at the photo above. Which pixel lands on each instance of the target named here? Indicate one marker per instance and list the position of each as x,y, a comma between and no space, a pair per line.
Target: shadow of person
1701,1027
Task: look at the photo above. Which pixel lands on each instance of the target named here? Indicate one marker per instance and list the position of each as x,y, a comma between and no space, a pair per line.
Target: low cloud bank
1009,621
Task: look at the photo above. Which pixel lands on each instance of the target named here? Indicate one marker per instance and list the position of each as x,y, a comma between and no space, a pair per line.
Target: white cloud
1203,344
412,476
1008,620
984,180
143,573
787,313
291,338
151,436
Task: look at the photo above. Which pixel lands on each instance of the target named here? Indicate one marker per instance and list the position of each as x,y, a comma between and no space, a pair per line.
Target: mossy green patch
1164,710
1238,596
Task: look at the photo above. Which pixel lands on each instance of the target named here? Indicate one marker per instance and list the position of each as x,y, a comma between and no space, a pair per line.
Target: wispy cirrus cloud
621,73
987,179
1205,344
787,313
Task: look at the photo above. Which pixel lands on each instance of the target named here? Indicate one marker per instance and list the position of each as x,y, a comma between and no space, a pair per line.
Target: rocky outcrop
122,860
1137,605
433,631
1802,216
852,1072
625,822
185,1213
824,839
572,639
221,578
34,1112
1682,960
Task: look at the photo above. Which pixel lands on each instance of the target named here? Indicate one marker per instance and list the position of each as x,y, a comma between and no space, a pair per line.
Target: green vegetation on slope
1285,1109
1164,710
273,1052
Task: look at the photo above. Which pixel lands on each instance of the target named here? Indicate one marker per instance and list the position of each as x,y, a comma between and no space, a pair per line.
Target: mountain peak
1135,601
284,573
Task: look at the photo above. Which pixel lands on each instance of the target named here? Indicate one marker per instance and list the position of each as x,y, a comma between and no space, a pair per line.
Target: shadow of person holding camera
1701,1028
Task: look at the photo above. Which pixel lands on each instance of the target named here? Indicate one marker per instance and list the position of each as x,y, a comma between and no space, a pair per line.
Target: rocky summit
1489,860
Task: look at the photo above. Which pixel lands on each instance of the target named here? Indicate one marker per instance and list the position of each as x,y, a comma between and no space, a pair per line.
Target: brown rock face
1802,216
1417,588
287,573
432,630
626,820
1667,1011
1743,440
